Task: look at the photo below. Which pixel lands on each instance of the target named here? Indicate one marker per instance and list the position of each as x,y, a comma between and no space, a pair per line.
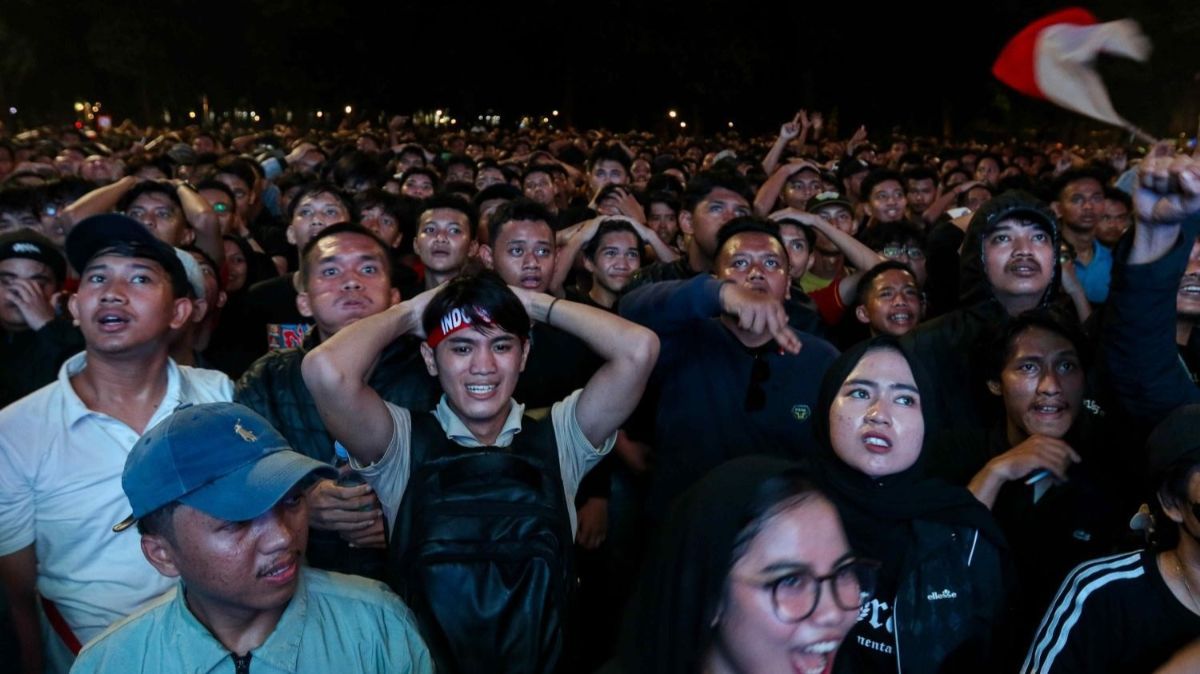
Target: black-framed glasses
912,252
795,596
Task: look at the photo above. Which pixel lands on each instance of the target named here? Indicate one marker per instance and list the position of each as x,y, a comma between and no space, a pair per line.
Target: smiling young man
727,347
476,334
345,276
218,498
62,447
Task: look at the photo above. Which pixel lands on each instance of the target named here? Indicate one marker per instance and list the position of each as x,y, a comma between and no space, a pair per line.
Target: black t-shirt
271,304
871,644
1114,614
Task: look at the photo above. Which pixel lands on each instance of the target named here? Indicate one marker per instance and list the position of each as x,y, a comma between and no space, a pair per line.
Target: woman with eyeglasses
941,589
752,574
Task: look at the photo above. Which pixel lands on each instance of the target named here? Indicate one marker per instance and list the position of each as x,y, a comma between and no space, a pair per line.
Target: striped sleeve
1066,633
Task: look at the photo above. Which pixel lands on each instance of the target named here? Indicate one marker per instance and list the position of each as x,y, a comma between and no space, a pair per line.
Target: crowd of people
408,399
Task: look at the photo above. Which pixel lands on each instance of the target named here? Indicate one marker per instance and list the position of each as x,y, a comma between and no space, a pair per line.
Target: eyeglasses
795,596
911,252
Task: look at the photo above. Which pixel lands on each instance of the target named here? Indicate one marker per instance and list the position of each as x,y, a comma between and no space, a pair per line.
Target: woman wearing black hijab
752,574
941,587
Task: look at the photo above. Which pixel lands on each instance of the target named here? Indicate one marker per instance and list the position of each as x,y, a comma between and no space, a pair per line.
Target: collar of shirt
74,408
457,431
201,652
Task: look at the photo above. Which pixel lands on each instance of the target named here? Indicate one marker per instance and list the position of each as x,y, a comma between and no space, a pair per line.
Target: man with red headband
481,496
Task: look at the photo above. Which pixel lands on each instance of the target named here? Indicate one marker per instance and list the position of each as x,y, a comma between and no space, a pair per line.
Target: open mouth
112,321
901,317
814,658
1024,269
531,281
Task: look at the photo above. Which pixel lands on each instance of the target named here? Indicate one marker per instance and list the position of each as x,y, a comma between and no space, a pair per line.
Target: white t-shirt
60,490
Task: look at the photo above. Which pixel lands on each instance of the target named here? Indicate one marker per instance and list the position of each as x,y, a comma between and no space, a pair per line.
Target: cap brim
99,232
253,489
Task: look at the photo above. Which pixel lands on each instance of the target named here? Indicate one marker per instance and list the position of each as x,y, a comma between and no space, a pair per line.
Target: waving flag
1054,58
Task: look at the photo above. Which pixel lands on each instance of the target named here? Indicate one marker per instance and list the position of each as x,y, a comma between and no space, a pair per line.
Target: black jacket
29,360
1140,356
274,388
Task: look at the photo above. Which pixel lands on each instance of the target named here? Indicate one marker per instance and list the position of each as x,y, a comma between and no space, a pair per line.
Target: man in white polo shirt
63,447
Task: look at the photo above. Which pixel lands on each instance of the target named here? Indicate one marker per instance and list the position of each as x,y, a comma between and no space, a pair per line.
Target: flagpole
1135,132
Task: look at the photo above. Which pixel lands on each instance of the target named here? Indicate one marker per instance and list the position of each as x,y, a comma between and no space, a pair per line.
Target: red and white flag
1054,58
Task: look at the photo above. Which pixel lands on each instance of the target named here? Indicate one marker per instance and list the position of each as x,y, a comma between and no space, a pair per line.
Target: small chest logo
243,432
801,412
944,594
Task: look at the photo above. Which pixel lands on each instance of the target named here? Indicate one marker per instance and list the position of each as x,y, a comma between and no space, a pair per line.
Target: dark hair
159,522
703,184
412,150
611,152
420,171
918,173
1114,194
869,276
1062,182
537,168
497,191
749,223
151,187
483,290
607,227
961,199
452,202
900,231
1049,319
1172,487
461,159
357,167
671,199
518,209
219,186
810,234
243,169
313,189
18,199
335,230
877,177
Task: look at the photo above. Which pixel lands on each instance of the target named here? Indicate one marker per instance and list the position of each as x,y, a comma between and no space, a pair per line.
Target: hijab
670,627
878,512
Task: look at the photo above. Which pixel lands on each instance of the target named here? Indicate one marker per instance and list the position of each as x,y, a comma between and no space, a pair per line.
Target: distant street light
672,114
349,109
683,125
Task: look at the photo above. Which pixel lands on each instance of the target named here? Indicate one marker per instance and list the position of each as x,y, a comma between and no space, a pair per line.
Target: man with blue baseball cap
218,497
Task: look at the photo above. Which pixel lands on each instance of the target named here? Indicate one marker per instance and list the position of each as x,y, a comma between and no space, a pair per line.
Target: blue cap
221,458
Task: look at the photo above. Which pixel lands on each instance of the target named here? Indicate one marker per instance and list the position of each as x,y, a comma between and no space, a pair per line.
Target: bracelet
550,309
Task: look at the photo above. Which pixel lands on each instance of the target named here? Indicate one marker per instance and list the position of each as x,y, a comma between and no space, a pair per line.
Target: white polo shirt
60,490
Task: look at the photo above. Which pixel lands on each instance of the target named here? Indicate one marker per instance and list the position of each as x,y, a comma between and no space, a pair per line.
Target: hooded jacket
951,347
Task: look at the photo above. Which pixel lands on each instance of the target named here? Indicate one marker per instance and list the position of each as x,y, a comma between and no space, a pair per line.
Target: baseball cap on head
823,199
99,233
220,458
29,244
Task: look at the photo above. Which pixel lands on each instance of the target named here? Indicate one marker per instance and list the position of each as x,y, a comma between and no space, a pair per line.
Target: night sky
617,64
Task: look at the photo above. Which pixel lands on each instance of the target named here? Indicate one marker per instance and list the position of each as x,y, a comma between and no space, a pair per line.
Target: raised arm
768,194
336,374
858,255
203,219
629,352
1139,329
787,133
100,200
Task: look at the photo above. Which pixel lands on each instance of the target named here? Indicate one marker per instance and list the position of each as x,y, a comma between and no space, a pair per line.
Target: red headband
455,320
